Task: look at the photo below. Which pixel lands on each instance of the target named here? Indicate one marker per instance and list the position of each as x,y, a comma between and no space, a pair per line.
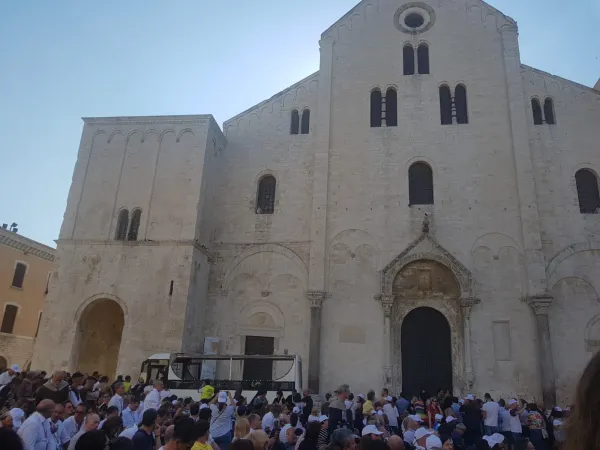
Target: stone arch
566,253
261,319
100,322
592,334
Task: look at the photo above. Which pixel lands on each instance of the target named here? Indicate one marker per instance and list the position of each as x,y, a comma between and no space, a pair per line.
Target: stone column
540,305
387,300
315,299
466,305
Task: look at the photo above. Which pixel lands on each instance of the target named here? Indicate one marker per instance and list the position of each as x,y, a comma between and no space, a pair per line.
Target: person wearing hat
220,426
337,408
421,436
433,443
372,432
6,420
495,441
8,376
323,439
413,422
391,412
457,435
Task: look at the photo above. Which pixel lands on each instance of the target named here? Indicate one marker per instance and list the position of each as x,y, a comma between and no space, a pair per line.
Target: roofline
26,245
579,85
237,116
349,13
149,120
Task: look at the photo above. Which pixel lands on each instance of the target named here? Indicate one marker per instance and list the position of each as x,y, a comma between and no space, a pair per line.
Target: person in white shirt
220,425
112,411
390,410
490,412
91,424
72,425
153,399
34,432
268,420
6,377
56,424
117,399
515,420
76,382
130,414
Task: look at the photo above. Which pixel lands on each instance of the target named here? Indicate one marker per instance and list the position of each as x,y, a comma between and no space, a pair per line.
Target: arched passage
3,364
99,335
426,352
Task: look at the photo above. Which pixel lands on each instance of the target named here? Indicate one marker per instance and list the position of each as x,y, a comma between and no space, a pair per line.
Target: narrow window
19,275
587,191
420,184
171,287
37,329
265,203
136,218
408,53
8,321
537,111
423,59
295,125
375,108
305,126
445,105
391,108
122,225
460,99
549,111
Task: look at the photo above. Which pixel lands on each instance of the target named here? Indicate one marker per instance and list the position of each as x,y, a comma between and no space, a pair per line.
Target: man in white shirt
392,414
34,432
117,399
515,419
153,399
72,425
490,412
268,420
6,377
130,414
91,424
76,382
56,423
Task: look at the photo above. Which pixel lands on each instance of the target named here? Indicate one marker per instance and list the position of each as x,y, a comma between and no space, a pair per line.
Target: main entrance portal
426,352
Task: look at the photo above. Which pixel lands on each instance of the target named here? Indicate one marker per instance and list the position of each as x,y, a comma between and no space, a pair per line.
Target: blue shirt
402,404
34,432
129,417
142,440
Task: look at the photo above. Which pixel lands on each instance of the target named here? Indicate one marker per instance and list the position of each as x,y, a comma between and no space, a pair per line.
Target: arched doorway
426,352
3,364
99,336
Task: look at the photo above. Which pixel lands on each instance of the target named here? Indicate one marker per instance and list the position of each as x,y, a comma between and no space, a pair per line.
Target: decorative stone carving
387,301
425,279
265,293
467,303
425,226
540,303
315,298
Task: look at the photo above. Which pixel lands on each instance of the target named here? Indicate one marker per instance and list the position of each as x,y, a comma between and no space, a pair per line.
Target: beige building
25,268
419,213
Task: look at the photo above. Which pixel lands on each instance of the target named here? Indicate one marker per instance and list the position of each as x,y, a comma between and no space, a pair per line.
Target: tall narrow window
460,100
19,275
136,218
37,328
122,225
420,184
408,54
265,203
295,122
391,108
537,111
549,111
423,58
8,321
305,126
375,108
445,105
587,191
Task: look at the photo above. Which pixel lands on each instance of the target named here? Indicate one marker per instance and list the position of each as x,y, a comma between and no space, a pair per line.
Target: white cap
389,398
450,419
323,418
416,418
494,439
174,402
556,422
433,442
461,401
222,397
296,410
512,401
557,408
438,417
203,405
312,418
15,368
371,429
421,432
361,396
470,397
17,415
380,413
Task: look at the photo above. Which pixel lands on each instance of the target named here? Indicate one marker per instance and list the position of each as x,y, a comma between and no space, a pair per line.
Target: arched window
391,108
537,111
19,275
460,101
375,108
587,191
305,126
8,321
136,218
295,122
122,225
423,58
265,202
445,105
549,111
408,53
420,184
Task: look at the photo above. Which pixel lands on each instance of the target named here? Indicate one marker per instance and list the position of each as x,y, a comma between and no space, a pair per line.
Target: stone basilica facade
419,213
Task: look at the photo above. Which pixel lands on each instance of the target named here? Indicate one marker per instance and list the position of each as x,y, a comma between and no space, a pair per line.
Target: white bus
184,375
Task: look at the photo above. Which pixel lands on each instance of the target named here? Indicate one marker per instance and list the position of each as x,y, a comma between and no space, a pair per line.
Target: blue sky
61,60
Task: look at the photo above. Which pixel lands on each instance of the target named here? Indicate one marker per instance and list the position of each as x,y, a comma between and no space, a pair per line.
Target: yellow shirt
207,392
368,408
127,386
199,446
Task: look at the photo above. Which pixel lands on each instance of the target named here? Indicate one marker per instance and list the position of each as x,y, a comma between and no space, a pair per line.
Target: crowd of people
85,412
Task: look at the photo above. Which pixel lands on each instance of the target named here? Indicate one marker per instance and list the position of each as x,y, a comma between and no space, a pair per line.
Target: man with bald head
56,389
91,423
395,442
35,431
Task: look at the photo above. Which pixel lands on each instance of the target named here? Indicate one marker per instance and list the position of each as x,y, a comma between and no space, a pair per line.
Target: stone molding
467,303
20,243
316,298
150,120
540,303
387,302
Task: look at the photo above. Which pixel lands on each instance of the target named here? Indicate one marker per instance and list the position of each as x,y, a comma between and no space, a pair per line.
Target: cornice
27,245
151,120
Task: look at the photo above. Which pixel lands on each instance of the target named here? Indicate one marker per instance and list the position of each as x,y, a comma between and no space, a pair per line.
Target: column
315,299
466,305
540,305
387,301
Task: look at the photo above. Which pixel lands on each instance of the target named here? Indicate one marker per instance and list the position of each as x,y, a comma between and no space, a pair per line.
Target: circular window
414,20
